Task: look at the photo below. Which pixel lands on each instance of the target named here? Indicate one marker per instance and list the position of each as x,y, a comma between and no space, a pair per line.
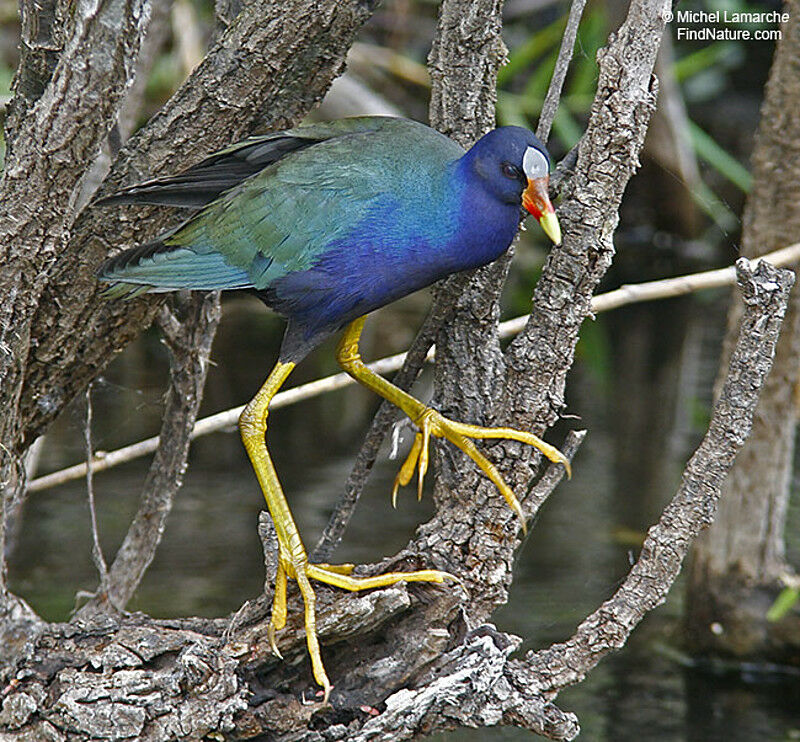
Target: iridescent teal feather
330,221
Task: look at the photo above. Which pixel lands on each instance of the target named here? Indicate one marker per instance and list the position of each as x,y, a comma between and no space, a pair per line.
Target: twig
188,334
97,551
553,97
409,365
666,288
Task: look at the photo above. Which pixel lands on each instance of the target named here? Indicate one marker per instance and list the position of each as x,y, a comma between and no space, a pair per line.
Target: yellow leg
292,558
431,422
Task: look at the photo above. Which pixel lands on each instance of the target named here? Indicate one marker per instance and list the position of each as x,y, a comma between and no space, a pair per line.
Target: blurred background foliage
641,384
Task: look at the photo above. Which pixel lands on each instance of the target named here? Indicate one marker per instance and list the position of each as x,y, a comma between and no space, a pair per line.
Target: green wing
282,218
208,179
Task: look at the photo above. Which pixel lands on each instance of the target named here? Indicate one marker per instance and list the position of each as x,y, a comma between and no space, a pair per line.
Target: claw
337,575
271,630
422,469
407,469
431,422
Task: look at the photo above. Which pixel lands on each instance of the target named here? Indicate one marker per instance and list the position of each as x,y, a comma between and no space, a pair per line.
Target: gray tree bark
56,333
60,113
738,565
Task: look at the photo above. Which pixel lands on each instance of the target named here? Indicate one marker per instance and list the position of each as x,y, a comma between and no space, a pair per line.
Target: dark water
210,559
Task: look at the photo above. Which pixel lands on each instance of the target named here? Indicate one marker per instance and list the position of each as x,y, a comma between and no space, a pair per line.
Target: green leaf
721,53
522,56
786,600
728,166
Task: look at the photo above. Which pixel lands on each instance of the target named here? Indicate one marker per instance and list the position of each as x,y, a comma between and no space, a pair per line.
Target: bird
325,223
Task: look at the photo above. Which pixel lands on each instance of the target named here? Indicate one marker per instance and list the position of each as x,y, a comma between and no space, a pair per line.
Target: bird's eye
510,171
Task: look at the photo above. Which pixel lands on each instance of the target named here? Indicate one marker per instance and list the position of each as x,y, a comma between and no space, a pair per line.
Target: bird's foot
337,575
433,423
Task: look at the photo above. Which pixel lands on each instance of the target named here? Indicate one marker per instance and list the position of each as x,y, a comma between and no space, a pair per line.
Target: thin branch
666,288
608,156
409,364
12,485
188,333
553,97
97,551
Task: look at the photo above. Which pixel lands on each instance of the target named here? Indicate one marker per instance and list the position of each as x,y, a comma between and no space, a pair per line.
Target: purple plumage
331,221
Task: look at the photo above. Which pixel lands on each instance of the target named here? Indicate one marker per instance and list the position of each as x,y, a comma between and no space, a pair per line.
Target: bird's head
515,168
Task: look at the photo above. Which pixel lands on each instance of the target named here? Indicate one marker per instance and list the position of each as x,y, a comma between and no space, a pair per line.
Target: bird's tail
157,266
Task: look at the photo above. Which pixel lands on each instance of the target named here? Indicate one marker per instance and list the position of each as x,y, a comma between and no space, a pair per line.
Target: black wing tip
210,178
114,199
156,196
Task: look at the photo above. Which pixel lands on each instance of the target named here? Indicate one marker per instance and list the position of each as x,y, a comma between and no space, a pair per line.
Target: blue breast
409,239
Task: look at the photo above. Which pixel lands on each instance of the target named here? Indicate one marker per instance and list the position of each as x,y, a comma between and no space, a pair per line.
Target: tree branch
765,291
188,332
551,100
42,37
97,551
264,72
